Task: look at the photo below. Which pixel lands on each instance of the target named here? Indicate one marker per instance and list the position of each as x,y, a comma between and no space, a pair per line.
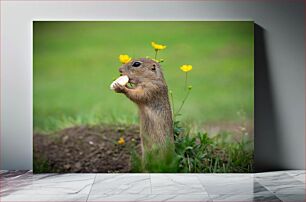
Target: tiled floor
273,186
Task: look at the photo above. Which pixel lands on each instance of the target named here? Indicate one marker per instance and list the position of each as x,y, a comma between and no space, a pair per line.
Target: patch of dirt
86,149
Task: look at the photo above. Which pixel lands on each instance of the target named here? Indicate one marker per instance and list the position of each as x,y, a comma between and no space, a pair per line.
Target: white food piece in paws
122,80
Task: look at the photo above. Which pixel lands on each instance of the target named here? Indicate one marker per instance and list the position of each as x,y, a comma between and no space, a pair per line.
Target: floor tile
43,198
114,184
148,198
272,175
14,181
175,184
292,197
259,189
183,198
266,198
235,184
245,198
281,183
230,197
3,171
48,184
14,174
287,186
295,171
298,175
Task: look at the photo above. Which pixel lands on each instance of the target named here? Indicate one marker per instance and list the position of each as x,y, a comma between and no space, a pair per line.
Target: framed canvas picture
143,96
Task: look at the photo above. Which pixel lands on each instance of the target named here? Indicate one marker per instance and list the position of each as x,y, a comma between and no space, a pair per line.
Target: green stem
156,53
186,78
183,102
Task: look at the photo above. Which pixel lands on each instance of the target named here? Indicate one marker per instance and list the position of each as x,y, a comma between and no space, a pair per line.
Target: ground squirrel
150,92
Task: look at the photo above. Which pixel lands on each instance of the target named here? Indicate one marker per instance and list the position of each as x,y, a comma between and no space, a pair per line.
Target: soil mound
86,149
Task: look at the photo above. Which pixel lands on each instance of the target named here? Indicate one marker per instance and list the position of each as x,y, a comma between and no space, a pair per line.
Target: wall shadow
267,141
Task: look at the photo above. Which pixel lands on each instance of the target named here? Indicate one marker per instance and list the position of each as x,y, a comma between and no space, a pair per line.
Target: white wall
279,79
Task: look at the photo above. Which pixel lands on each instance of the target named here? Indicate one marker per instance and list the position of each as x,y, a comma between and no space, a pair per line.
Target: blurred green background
75,62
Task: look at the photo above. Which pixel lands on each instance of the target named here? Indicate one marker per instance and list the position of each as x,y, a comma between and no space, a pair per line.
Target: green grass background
75,62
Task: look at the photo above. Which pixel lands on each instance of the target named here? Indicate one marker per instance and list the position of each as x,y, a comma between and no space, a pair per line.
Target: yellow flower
158,46
124,59
121,141
186,68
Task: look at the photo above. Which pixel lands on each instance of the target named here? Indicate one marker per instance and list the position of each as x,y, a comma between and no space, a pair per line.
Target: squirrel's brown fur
150,93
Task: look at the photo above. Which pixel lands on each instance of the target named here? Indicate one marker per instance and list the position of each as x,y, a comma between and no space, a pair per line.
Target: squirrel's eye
136,64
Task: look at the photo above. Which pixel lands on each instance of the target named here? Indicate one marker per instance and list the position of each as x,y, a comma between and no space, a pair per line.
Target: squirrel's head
142,70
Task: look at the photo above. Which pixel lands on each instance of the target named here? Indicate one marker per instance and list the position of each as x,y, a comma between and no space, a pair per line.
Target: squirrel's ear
153,67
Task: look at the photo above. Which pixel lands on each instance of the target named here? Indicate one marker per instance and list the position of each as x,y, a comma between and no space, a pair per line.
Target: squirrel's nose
120,69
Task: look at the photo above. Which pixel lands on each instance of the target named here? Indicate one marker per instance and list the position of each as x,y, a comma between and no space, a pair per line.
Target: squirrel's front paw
119,88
